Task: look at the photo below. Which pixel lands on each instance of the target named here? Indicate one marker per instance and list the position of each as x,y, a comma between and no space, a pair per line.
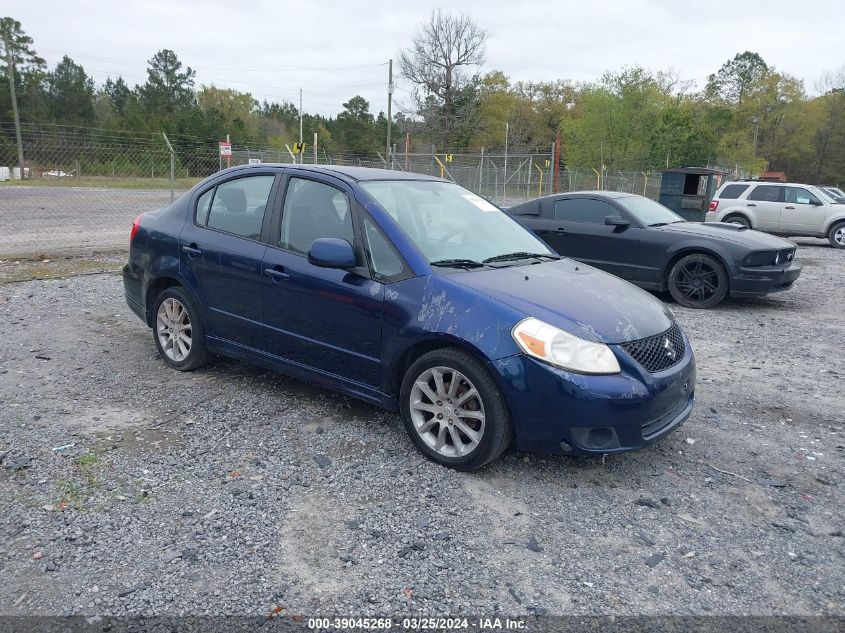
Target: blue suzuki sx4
415,295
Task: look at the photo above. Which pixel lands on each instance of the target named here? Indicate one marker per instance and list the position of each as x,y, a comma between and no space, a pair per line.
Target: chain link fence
81,190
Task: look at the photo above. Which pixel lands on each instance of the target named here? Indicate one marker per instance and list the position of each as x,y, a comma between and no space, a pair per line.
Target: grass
34,269
104,182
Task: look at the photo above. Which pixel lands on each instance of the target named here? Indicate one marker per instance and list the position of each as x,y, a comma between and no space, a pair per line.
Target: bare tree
438,63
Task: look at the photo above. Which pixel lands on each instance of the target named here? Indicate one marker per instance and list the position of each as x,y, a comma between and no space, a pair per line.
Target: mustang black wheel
454,411
698,281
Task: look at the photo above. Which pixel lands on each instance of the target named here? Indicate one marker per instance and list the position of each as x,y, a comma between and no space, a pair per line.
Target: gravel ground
127,488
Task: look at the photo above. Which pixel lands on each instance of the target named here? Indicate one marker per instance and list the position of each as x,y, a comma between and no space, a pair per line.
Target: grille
659,352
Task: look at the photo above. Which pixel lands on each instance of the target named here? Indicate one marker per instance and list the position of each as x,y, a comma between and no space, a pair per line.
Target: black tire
738,219
836,235
198,354
497,430
709,289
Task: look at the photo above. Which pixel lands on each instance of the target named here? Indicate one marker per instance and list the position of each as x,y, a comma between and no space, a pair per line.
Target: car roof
349,172
767,182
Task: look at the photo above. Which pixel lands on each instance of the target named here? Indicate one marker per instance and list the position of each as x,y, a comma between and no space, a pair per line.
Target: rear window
732,192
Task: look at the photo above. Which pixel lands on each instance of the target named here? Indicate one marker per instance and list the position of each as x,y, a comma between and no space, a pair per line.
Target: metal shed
688,190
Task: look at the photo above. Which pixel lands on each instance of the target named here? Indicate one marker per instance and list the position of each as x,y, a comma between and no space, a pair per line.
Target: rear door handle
191,251
750,204
789,207
559,229
277,274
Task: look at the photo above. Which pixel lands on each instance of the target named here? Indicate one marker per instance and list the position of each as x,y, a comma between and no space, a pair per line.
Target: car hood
728,232
577,298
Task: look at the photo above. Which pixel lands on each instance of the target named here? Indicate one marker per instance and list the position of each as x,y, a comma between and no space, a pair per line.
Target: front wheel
453,410
836,235
698,281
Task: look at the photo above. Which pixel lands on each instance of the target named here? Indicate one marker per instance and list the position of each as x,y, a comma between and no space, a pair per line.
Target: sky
335,49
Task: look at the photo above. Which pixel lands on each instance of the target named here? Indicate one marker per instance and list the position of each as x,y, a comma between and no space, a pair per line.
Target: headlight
562,349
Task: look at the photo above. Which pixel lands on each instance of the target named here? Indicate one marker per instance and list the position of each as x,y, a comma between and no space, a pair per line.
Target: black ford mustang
642,241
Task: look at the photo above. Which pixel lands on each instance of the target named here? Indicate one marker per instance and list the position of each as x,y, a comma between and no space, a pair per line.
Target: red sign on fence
225,148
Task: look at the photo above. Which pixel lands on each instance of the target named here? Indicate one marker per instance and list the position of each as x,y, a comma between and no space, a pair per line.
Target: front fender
435,310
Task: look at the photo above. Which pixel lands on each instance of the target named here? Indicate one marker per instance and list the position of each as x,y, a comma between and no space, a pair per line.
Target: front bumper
761,280
560,412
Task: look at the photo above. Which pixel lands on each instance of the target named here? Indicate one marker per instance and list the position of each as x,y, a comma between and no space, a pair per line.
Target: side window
799,195
238,206
732,192
314,210
583,210
203,204
384,261
764,193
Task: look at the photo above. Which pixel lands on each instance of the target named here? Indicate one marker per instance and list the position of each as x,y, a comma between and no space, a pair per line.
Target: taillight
713,205
135,224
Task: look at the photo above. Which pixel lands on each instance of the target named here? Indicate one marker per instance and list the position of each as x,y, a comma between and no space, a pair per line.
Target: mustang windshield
649,212
454,227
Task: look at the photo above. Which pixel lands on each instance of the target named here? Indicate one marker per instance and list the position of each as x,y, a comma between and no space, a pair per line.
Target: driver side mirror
616,220
331,252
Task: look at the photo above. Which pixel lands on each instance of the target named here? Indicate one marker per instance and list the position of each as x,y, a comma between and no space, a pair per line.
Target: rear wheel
836,235
698,281
738,219
453,410
178,330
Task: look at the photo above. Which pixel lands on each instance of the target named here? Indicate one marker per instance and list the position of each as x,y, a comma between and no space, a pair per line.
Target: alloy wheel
839,236
173,328
447,412
697,281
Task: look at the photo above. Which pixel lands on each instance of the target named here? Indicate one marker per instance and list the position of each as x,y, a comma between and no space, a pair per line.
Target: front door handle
277,274
191,251
790,207
750,204
559,229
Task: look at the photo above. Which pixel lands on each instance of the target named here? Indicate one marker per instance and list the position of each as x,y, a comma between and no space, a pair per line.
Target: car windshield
648,211
451,225
824,195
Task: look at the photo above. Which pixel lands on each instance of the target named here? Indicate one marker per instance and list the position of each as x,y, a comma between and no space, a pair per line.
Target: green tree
168,88
17,53
71,93
736,78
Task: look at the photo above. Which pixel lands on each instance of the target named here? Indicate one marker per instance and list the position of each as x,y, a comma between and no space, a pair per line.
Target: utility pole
505,174
556,163
389,108
10,73
301,157
756,122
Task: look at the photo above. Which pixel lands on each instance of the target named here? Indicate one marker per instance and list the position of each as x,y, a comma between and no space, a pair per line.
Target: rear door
765,203
220,253
322,318
803,212
577,230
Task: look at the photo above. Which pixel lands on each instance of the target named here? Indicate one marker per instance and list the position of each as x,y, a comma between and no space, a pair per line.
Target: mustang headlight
562,349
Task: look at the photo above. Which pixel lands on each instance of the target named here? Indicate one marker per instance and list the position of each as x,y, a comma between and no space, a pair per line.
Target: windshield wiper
519,255
457,263
665,223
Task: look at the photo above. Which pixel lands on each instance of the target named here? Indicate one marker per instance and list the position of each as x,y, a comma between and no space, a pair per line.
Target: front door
765,202
220,254
322,318
578,230
803,212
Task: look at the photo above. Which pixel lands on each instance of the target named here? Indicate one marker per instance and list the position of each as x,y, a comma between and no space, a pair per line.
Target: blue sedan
417,296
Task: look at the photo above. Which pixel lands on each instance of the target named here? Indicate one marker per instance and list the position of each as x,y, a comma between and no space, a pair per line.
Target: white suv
780,208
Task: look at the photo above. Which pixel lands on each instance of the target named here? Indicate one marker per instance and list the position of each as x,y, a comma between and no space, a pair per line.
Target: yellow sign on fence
448,158
298,148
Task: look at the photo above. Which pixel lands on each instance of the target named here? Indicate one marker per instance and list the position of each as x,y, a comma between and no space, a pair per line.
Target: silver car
781,208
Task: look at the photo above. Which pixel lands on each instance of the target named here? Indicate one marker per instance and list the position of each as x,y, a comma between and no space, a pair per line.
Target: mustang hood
575,297
729,233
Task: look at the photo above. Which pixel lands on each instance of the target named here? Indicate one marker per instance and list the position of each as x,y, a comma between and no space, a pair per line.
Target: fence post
172,168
